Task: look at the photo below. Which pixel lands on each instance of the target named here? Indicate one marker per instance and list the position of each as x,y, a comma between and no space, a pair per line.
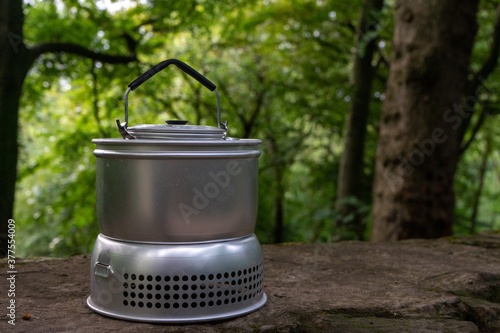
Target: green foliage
467,190
282,68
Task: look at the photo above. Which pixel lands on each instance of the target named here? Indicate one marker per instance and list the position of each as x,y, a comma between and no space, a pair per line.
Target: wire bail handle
122,127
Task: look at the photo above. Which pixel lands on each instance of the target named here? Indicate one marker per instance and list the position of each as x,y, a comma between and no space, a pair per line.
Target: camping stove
176,282
177,207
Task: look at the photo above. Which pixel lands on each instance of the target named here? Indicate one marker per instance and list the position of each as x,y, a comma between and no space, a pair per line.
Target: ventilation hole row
201,277
193,304
194,295
201,286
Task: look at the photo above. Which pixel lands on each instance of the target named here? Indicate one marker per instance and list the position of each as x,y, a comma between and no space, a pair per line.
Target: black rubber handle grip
164,64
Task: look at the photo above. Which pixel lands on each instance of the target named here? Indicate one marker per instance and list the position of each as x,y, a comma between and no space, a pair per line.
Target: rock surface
445,285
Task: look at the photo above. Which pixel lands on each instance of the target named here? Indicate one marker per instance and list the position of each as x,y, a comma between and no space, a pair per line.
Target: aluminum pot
176,182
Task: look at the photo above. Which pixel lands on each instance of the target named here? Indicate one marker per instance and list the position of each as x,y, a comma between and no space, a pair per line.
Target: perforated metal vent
216,289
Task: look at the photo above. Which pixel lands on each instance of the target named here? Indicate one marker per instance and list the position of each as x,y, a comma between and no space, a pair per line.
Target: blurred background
289,73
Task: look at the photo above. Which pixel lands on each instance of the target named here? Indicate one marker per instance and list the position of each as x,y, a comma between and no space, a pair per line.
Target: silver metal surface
176,206
176,132
172,283
175,190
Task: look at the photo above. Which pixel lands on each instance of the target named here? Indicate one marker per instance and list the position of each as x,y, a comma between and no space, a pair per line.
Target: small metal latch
102,270
223,125
122,128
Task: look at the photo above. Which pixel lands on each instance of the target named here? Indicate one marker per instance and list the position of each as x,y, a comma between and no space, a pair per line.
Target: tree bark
352,162
278,166
418,145
279,202
12,73
15,61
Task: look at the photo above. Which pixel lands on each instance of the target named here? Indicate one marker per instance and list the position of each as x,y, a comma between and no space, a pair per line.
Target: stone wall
445,285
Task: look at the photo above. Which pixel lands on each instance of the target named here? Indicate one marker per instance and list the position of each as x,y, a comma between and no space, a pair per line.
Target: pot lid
176,129
173,129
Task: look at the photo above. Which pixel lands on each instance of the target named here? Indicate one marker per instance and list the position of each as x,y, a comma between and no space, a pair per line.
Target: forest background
309,78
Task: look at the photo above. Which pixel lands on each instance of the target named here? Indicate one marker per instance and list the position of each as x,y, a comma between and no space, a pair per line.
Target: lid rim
169,131
176,142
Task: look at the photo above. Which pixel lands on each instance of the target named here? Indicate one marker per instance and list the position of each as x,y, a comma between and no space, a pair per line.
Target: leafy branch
64,47
478,79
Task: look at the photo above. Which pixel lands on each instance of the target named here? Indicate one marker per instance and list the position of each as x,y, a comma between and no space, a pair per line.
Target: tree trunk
351,165
477,194
15,61
279,201
279,191
418,145
13,69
